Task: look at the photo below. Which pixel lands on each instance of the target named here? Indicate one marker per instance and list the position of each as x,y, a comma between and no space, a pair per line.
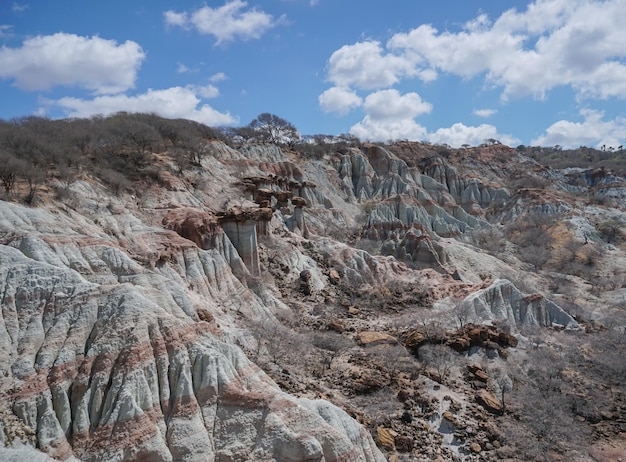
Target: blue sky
546,72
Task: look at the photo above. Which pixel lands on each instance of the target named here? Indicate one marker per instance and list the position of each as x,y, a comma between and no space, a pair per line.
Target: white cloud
459,134
226,23
206,91
376,130
176,19
484,112
182,69
390,116
217,77
340,100
99,65
391,105
575,43
364,65
174,102
592,131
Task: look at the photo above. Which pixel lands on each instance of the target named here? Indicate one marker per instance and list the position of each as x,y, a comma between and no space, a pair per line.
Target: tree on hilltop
274,129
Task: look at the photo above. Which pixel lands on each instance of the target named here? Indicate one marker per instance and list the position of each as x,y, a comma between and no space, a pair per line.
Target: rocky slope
133,325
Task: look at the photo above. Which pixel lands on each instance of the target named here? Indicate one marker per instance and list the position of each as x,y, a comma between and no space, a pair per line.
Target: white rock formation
109,360
503,301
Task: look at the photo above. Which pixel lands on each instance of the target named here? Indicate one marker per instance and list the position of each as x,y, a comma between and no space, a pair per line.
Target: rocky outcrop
21,453
411,206
462,339
503,301
297,222
122,368
243,226
470,193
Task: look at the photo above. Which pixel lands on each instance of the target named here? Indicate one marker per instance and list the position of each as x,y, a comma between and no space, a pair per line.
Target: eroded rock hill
127,329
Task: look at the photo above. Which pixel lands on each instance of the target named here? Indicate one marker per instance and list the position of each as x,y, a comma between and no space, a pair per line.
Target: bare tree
393,359
272,339
612,231
440,357
274,129
35,176
545,408
461,312
502,384
490,239
329,346
11,168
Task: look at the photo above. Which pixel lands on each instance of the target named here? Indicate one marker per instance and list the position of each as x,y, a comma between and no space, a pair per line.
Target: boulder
488,401
371,338
386,438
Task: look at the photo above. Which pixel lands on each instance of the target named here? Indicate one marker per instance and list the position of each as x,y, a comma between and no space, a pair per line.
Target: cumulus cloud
176,19
390,115
592,131
408,129
365,65
175,102
391,105
459,134
340,100
226,23
217,77
99,65
575,43
377,130
579,44
206,91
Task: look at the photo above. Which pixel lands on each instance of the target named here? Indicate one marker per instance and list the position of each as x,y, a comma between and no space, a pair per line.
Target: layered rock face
409,207
127,321
503,301
106,359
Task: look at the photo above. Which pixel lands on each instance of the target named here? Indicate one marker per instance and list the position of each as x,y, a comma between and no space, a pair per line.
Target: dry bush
490,239
440,357
328,345
531,234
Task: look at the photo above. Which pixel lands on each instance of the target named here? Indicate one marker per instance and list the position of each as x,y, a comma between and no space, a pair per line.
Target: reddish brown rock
196,225
371,338
488,401
299,201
